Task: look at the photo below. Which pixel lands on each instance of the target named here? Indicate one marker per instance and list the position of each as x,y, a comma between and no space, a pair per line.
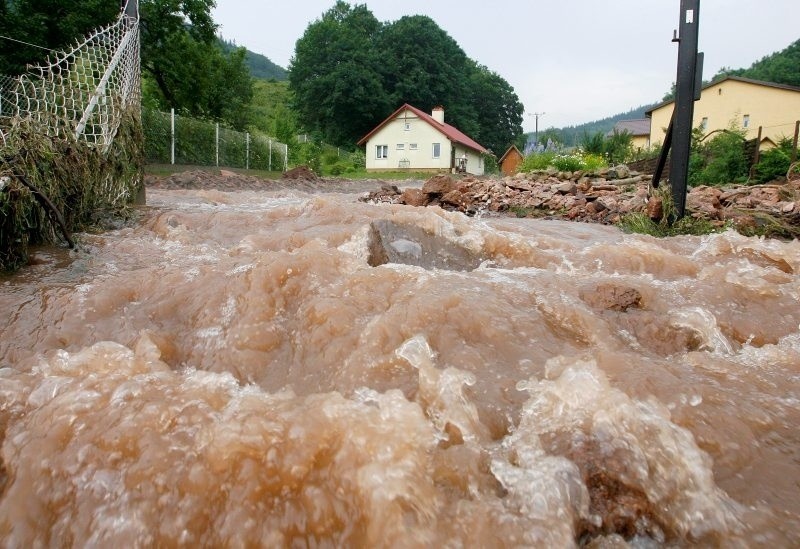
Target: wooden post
757,155
794,143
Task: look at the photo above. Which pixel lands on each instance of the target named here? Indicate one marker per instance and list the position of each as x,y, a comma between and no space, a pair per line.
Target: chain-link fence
81,92
173,139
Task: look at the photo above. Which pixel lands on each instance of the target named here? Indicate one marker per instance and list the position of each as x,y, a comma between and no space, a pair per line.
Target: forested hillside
782,67
260,66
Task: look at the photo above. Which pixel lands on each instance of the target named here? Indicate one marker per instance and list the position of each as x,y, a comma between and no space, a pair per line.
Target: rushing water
234,372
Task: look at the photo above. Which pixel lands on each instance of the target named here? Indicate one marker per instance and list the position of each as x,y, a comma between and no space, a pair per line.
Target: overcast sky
574,60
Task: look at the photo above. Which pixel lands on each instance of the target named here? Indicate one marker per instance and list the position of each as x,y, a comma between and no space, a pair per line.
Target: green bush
537,161
774,163
572,162
568,162
721,160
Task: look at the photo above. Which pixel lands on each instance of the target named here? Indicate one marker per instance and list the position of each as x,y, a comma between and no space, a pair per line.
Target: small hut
510,161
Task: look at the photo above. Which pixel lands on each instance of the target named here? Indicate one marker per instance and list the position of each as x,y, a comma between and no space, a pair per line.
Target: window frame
381,149
434,153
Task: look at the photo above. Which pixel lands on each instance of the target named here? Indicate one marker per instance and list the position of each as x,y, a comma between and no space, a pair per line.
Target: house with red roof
410,139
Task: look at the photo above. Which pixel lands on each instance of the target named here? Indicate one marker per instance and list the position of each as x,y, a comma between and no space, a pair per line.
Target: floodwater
250,369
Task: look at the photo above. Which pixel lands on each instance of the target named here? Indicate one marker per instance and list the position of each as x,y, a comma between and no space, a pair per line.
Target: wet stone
391,242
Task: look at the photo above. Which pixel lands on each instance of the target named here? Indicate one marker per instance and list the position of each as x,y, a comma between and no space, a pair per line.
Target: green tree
334,75
498,109
425,67
50,24
183,66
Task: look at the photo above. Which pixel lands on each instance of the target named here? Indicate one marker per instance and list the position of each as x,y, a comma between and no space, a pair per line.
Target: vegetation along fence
71,147
171,139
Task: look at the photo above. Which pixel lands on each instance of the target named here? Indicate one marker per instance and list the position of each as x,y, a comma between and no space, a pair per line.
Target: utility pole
536,116
687,90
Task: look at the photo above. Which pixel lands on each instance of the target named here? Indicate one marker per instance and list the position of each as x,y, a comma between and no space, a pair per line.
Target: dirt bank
599,197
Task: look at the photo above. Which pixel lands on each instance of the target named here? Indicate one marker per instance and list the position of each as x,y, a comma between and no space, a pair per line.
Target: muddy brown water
272,369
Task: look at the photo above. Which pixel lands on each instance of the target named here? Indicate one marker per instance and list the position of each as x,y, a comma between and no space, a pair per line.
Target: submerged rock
391,242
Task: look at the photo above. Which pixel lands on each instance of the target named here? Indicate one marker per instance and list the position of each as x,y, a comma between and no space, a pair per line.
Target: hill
781,67
572,135
260,66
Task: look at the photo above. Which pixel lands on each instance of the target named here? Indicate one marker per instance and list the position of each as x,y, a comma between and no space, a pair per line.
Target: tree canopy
182,62
350,71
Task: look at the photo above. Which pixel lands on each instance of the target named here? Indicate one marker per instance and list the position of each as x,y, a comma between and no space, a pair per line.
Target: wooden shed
510,161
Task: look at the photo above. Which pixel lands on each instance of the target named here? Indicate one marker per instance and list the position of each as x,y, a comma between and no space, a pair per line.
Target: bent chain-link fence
82,92
173,139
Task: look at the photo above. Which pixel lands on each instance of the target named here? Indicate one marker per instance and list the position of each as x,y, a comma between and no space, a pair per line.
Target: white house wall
399,141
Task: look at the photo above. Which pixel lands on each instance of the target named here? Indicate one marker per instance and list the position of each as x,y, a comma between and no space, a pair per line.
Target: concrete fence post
172,136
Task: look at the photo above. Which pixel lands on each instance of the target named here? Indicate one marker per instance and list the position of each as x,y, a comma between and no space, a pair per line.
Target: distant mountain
260,66
572,135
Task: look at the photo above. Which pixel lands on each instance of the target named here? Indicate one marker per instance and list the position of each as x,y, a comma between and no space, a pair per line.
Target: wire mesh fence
173,139
82,92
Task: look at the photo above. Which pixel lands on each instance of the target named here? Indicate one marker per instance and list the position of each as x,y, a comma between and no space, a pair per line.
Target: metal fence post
270,154
216,144
172,131
285,157
247,154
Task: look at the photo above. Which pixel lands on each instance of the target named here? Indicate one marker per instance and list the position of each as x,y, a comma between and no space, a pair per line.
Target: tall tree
334,74
422,65
46,24
499,110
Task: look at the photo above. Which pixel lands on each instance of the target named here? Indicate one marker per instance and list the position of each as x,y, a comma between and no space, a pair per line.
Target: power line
26,43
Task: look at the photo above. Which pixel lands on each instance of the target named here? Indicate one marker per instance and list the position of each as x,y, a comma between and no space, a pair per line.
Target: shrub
774,163
568,162
572,162
721,160
537,161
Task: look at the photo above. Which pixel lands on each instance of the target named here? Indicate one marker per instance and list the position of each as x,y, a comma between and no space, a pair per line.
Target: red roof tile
451,132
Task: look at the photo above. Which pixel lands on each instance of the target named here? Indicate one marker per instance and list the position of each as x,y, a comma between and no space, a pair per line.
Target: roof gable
634,126
511,149
450,132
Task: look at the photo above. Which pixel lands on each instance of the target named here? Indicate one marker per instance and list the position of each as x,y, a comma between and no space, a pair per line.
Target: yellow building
742,102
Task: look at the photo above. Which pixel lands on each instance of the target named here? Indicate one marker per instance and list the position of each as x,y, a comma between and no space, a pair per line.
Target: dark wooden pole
794,143
757,155
686,91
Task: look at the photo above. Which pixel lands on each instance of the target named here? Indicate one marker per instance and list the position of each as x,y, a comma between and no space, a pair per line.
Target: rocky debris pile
601,197
301,172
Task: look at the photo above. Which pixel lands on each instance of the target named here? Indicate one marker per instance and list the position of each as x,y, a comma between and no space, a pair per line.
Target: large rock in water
391,242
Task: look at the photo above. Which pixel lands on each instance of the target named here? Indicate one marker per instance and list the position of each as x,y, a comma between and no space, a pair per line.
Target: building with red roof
415,140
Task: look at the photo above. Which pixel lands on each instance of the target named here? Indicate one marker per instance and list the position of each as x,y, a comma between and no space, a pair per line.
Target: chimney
438,114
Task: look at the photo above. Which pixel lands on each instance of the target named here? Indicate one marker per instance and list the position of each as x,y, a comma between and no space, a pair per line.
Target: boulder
414,197
655,208
619,172
611,297
440,185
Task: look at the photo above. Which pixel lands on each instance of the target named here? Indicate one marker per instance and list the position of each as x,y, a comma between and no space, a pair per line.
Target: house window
437,150
746,121
381,151
412,146
704,123
401,146
407,126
